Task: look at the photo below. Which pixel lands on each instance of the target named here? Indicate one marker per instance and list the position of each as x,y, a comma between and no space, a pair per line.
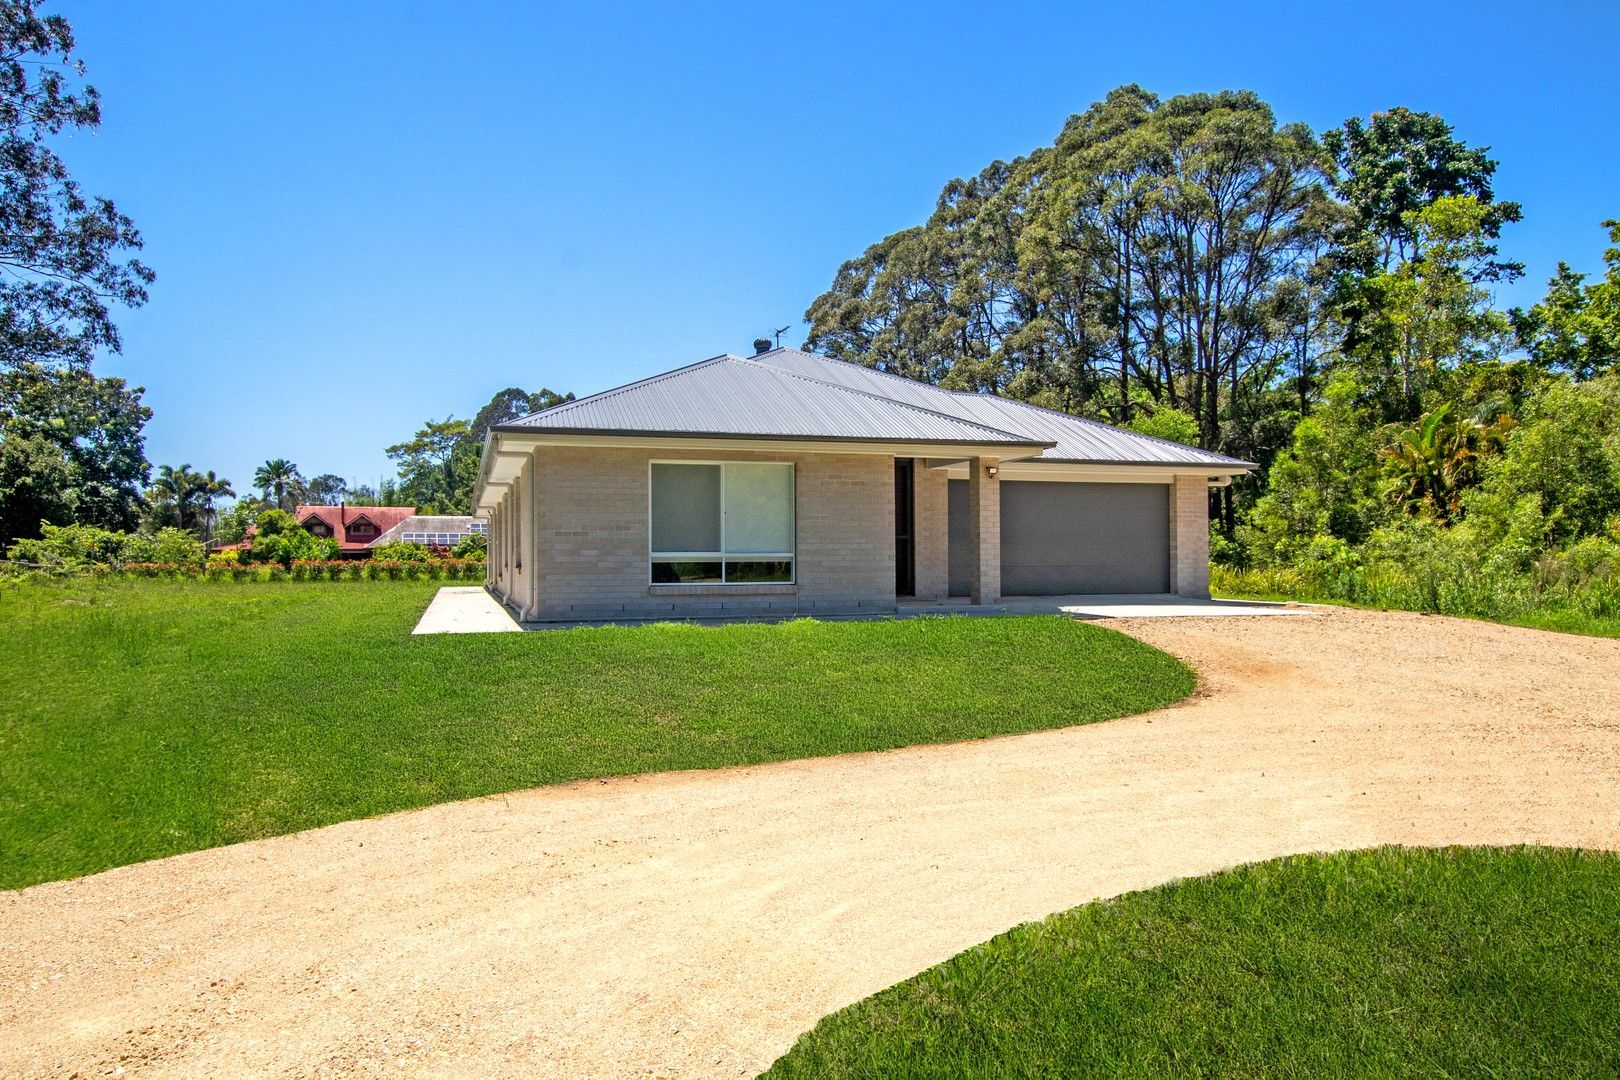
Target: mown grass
140,719
1393,962
1513,601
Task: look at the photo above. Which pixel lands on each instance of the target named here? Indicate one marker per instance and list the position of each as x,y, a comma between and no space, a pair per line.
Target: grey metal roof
788,393
1077,439
732,397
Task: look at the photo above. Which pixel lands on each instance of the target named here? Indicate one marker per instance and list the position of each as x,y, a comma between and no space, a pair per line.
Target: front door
905,520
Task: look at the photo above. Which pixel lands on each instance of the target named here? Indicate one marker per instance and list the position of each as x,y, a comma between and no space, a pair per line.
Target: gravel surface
694,924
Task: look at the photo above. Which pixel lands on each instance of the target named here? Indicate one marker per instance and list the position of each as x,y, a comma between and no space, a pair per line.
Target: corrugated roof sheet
730,396
788,393
1077,439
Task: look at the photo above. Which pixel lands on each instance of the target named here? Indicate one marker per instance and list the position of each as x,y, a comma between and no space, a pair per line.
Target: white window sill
739,589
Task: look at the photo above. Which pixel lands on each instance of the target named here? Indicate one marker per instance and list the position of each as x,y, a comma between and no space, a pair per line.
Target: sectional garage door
1071,538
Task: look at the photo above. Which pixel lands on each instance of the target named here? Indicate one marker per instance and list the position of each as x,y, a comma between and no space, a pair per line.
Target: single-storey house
786,482
433,530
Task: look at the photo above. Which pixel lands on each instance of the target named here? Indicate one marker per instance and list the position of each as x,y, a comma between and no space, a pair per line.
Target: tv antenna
777,334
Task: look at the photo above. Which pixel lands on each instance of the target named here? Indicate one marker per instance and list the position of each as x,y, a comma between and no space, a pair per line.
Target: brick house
787,482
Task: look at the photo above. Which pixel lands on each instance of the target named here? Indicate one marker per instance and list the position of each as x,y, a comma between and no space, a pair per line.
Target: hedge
309,570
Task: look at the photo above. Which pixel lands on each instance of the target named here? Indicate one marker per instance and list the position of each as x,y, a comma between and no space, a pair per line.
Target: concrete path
465,609
1123,606
694,924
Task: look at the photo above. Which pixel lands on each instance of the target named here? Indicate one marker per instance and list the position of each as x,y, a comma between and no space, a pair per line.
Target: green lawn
140,719
1395,962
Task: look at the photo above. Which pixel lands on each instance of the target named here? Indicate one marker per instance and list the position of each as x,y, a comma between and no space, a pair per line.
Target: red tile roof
338,518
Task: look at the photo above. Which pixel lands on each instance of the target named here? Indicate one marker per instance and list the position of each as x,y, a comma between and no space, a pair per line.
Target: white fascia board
1069,472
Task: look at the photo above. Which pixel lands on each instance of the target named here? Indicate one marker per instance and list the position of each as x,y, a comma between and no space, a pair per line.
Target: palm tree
180,488
275,477
211,487
1435,461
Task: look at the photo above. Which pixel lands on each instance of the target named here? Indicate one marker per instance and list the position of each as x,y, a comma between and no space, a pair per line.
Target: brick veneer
931,527
589,552
1189,536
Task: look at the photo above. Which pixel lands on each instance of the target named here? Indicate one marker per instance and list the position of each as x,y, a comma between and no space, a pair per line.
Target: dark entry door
905,523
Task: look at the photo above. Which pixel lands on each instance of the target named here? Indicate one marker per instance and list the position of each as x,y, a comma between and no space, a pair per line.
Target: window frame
722,556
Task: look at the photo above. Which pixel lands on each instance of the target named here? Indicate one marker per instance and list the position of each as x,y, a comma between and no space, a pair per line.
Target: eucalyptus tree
1152,254
64,251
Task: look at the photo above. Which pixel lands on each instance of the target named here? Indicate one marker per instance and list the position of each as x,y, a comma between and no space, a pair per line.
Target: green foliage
1171,424
1390,962
402,551
1081,276
280,482
1436,461
278,538
1559,477
62,249
71,448
233,524
1325,485
1576,328
473,545
98,675
1392,167
70,549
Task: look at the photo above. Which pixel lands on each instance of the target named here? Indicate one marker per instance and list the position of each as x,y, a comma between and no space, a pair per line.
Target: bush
71,549
473,545
400,551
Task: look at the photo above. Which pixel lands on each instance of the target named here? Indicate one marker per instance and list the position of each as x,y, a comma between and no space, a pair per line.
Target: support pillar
984,530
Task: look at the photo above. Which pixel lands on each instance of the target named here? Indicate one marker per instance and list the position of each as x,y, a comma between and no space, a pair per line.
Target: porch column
1189,536
984,530
931,526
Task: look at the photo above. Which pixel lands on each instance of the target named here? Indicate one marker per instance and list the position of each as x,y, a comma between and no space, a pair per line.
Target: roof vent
762,345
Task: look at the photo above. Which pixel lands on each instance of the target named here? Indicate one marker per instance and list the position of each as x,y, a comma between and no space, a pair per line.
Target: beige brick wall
1189,536
984,531
932,525
589,517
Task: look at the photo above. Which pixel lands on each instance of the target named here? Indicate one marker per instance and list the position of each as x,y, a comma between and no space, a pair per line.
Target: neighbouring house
786,482
434,530
355,528
358,529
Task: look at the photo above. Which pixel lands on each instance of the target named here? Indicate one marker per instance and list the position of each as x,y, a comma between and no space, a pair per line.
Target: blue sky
363,215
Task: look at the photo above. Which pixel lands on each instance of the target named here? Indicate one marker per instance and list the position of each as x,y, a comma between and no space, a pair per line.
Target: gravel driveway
693,924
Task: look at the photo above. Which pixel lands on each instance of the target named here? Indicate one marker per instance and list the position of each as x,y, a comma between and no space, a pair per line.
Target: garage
1059,537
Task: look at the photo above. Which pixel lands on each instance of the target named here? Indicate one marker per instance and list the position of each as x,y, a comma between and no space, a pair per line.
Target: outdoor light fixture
990,471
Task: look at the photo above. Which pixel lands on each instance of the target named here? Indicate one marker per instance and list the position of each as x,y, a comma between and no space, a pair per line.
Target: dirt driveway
694,924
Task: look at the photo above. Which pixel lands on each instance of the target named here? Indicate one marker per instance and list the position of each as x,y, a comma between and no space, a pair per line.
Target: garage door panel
1071,538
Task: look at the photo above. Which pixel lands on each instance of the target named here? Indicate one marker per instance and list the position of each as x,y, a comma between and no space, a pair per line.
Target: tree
62,250
177,496
1436,461
511,404
73,450
279,538
1576,328
1149,258
436,467
328,489
280,482
1393,166
1431,313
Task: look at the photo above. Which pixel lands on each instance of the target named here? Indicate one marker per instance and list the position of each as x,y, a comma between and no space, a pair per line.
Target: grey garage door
1071,538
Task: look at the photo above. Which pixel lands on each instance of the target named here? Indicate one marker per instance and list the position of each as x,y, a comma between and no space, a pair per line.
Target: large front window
729,523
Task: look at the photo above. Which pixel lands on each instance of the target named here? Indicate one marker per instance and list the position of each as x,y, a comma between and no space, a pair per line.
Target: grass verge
148,718
1290,585
1391,962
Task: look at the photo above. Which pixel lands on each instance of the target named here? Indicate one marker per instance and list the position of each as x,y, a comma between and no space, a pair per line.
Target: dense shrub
301,570
74,549
400,551
471,546
278,538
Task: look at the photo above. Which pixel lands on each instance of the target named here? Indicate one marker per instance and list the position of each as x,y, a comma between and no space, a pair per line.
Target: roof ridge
600,394
889,400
